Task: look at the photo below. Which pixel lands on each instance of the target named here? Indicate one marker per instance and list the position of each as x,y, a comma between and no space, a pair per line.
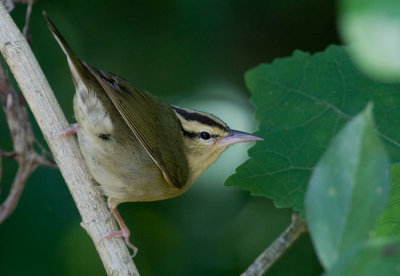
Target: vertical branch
96,218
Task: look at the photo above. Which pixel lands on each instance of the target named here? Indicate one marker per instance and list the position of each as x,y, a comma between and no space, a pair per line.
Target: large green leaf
372,30
389,221
376,257
301,102
348,189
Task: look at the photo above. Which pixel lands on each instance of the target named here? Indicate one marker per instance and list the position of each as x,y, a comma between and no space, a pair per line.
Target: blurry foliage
372,30
374,257
173,49
388,222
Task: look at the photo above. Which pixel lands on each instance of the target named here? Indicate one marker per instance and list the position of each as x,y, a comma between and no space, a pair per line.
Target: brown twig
22,136
23,139
25,30
270,255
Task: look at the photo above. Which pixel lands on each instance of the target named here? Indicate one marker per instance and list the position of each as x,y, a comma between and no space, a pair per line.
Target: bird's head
205,137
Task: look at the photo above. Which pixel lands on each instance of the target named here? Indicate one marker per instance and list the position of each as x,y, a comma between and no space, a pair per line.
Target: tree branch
23,139
270,255
96,218
26,167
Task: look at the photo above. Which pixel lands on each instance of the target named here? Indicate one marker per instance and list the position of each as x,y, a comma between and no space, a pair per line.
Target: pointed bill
236,136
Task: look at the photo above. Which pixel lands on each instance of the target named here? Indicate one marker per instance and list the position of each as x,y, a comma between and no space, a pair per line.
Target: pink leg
123,233
69,131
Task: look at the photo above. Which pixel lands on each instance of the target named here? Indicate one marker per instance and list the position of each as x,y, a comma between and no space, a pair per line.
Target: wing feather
153,122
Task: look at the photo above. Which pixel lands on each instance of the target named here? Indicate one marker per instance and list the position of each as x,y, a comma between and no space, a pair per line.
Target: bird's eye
205,135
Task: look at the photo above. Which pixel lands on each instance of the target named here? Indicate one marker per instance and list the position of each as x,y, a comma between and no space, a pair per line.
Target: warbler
137,147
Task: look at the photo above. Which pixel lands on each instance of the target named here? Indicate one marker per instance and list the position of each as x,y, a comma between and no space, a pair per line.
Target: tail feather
75,64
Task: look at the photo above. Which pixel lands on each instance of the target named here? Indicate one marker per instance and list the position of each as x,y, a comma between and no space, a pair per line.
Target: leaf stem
271,254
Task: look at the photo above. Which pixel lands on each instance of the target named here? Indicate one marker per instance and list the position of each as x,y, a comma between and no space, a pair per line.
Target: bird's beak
236,136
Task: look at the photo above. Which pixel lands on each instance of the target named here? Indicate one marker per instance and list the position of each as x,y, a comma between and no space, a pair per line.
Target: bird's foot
123,233
69,131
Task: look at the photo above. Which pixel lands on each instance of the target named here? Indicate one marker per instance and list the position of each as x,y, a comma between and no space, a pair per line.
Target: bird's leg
123,233
69,131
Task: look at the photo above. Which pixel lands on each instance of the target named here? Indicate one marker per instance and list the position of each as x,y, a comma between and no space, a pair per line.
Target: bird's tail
78,69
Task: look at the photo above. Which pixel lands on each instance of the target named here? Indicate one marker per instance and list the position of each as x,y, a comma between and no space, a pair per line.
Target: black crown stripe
192,116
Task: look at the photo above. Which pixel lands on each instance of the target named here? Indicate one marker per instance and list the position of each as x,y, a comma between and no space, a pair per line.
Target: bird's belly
124,172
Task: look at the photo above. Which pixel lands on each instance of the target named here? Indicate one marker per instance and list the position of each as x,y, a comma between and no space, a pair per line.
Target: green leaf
375,257
348,189
389,221
372,29
301,102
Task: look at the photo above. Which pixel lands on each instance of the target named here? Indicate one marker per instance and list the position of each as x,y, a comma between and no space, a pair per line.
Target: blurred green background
192,54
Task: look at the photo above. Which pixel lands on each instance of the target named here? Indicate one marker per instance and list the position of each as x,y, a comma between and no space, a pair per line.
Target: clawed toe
69,131
121,234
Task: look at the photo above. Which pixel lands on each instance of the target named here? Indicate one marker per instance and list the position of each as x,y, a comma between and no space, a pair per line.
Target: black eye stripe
194,135
190,134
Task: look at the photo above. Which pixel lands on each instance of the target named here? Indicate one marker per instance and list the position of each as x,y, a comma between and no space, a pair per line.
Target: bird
137,147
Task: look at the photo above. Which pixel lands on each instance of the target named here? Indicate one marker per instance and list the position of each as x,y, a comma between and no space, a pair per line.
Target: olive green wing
153,122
